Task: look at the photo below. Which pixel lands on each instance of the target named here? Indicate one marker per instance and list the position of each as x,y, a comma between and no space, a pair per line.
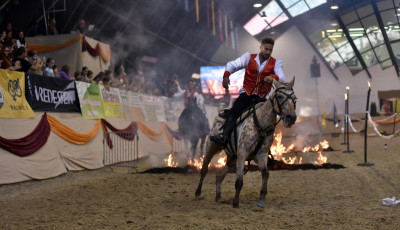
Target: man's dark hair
268,41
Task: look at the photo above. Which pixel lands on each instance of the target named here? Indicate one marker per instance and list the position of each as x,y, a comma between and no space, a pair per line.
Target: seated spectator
48,70
9,41
64,73
3,38
20,55
90,76
78,76
81,28
84,73
55,71
36,63
52,27
99,77
106,79
20,41
5,56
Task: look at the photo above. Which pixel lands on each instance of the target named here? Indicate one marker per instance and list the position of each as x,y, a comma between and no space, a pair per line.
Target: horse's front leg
221,175
262,161
239,178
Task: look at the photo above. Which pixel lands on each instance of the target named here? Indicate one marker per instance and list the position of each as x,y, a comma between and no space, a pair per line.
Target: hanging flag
221,34
236,39
226,31
213,16
232,34
208,15
197,11
335,120
186,3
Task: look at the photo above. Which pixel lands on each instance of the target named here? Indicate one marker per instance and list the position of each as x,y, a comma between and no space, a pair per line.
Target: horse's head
283,101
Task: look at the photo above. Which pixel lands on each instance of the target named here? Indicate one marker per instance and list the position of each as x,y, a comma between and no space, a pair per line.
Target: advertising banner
51,94
90,100
13,103
112,102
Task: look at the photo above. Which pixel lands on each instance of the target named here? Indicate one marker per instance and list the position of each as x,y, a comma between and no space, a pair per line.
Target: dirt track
349,198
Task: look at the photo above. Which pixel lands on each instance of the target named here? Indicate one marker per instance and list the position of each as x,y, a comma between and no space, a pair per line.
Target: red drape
86,47
128,133
31,143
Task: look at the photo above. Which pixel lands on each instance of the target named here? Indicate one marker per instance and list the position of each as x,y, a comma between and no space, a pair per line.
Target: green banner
90,100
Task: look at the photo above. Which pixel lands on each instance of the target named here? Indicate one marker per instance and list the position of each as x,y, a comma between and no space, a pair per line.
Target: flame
281,153
170,161
347,87
369,85
345,96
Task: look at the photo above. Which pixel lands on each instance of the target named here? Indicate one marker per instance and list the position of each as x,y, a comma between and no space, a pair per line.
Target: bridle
275,98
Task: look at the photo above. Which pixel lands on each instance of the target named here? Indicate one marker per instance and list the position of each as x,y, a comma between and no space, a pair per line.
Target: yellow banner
112,102
13,103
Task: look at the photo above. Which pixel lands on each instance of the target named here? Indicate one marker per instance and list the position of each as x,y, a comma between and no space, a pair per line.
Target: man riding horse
193,123
261,69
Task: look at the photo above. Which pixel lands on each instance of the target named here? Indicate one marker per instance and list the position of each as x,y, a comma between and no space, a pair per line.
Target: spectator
3,38
106,79
52,29
64,73
90,76
20,55
55,71
78,76
5,56
81,28
99,77
84,73
48,71
9,41
20,41
36,63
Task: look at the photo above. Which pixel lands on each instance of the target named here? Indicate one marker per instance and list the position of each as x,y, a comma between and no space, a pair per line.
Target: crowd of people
15,55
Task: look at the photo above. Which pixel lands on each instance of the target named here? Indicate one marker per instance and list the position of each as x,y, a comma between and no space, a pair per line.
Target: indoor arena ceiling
167,29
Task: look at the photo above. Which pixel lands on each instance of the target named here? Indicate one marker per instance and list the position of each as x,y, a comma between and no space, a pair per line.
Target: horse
251,140
193,126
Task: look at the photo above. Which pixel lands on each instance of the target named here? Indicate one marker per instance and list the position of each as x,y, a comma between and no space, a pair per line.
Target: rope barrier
351,124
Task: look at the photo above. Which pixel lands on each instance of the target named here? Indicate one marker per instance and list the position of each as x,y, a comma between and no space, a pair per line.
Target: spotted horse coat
282,102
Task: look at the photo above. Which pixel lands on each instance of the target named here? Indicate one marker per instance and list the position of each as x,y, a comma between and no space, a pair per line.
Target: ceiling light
334,6
257,5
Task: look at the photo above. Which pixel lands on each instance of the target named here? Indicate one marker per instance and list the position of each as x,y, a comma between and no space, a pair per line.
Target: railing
119,151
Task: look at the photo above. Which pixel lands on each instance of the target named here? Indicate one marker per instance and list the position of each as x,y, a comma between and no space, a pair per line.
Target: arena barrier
121,149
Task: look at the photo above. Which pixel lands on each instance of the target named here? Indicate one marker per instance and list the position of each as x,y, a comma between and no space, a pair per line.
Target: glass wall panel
315,3
325,47
382,53
346,52
389,17
362,44
393,32
339,41
384,5
365,11
369,58
297,9
315,36
289,3
349,17
386,64
370,23
278,20
396,51
354,66
272,10
334,60
376,38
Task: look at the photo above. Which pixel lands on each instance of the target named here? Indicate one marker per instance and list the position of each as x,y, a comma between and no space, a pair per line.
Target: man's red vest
252,77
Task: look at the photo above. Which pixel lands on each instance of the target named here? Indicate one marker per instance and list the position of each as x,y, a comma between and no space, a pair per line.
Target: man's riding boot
222,139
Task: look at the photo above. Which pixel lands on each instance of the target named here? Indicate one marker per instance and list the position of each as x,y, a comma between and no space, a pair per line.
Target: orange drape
105,56
47,48
388,122
155,136
70,135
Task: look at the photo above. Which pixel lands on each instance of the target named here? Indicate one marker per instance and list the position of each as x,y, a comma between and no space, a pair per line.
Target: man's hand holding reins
226,82
268,79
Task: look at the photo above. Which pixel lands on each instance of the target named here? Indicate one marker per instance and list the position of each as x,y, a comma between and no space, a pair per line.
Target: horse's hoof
236,205
261,203
197,193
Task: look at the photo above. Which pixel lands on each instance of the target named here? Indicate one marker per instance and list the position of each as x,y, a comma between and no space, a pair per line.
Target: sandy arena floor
349,198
